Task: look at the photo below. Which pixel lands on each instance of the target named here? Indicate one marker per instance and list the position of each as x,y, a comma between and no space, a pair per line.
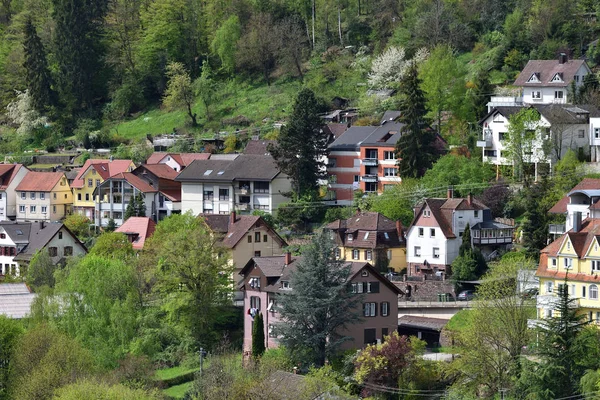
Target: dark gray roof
38,239
564,114
352,138
390,116
15,300
490,225
411,321
386,135
244,167
506,111
18,232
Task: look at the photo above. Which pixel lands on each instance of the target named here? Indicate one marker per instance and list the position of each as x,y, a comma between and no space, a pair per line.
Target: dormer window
557,77
349,237
285,285
534,78
254,283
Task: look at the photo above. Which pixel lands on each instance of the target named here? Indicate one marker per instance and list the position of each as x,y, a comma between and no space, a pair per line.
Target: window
583,291
349,237
65,195
489,153
255,302
223,194
553,262
44,210
90,182
2,235
97,182
208,195
21,209
549,313
595,266
32,195
355,254
417,251
60,235
370,309
332,162
427,213
536,94
389,155
332,178
42,196
501,136
581,133
256,237
52,251
285,284
370,336
549,287
476,214
568,263
257,253
54,209
249,238
432,232
254,283
368,255
359,287
79,196
264,238
356,178
32,209
338,252
390,172
421,232
558,94
385,309
261,187
384,333
593,292
272,332
597,133
93,172
87,197
54,196
68,251
436,252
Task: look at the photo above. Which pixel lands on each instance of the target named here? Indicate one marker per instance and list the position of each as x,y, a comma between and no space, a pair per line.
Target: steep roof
183,159
546,70
105,169
234,232
390,116
39,181
143,227
366,221
352,138
135,181
243,167
258,147
586,184
372,230
160,170
17,231
8,173
505,111
39,236
336,129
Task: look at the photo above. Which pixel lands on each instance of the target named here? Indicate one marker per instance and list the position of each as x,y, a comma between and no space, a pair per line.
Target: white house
177,161
244,182
580,203
10,177
435,235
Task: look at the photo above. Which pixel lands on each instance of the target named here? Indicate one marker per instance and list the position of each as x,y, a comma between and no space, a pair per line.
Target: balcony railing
492,240
243,206
556,229
486,142
369,178
260,207
369,162
243,191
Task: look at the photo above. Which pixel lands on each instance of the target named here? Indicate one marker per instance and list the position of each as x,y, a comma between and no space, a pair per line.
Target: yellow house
92,174
572,259
370,237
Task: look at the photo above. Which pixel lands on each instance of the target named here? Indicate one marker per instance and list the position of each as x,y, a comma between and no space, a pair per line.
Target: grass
179,391
169,373
459,321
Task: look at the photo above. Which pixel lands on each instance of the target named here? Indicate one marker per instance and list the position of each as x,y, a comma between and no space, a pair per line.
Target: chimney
288,258
470,199
450,192
232,218
577,221
399,229
562,58
41,224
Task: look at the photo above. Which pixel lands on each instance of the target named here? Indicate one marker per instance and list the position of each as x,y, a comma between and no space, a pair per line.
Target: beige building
43,196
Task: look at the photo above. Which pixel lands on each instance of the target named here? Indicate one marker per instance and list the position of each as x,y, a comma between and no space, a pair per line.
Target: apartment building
162,177
43,196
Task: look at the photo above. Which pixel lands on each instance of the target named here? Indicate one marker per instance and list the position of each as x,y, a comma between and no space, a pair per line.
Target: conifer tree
301,145
130,210
258,336
465,245
37,74
535,226
415,149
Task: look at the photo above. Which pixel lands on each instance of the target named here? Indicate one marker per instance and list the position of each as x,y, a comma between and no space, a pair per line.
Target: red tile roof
39,181
161,170
105,169
7,174
143,227
586,184
135,181
235,232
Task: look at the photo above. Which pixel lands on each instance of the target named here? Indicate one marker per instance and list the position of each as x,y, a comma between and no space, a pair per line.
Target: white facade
8,196
113,199
8,251
540,94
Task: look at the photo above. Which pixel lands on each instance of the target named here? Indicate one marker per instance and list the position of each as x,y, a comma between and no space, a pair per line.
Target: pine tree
319,306
301,145
465,245
37,74
415,148
140,206
258,336
130,210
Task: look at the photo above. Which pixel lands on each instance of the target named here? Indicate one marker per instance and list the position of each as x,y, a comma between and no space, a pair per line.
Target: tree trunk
192,115
313,22
340,25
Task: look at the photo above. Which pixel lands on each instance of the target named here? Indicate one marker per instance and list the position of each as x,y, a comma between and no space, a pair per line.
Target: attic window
535,77
387,235
230,235
364,273
103,168
285,285
427,213
208,172
220,172
557,77
366,235
19,232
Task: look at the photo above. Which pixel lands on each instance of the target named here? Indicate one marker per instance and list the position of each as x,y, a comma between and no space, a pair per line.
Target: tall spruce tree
320,304
301,145
258,336
415,148
535,226
37,74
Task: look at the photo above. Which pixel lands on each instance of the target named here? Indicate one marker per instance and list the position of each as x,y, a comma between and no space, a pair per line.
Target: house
561,127
370,237
113,196
162,177
266,278
435,235
549,81
19,241
137,230
246,236
15,300
572,259
10,177
239,182
177,161
583,199
90,176
43,196
258,146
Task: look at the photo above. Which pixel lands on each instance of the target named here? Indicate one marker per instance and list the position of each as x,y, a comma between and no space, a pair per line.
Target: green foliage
335,213
258,337
520,140
206,88
467,175
37,73
299,214
136,207
319,285
231,143
113,245
40,271
111,225
11,331
398,202
91,389
225,41
79,225
180,92
535,225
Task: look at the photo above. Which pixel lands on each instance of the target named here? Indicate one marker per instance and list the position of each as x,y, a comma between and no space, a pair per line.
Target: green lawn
179,391
169,373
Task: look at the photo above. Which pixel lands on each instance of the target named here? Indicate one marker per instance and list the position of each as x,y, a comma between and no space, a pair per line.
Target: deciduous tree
180,92
521,139
40,271
225,41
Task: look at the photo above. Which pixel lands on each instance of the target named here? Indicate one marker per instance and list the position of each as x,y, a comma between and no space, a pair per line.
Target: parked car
530,293
466,295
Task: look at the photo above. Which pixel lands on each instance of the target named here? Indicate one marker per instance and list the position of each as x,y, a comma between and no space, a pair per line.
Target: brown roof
140,227
337,129
370,229
135,181
39,181
183,159
586,184
7,174
105,169
161,170
581,240
366,221
258,147
233,233
172,194
546,70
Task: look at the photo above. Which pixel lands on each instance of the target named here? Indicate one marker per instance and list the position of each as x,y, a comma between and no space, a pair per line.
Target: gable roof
234,232
546,70
144,227
105,168
15,300
390,116
243,167
565,113
133,180
335,129
183,159
160,170
352,138
586,184
39,236
505,111
8,173
364,220
258,146
39,181
385,135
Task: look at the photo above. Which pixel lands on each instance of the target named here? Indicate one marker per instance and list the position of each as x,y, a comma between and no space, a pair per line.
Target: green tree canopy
467,175
225,41
40,271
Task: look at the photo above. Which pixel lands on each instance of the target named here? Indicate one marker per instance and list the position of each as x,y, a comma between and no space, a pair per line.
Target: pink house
267,278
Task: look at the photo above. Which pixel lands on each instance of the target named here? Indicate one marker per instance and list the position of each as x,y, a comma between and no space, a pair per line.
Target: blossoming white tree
389,68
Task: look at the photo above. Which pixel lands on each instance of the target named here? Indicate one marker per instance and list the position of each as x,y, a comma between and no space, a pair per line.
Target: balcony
487,139
260,207
243,191
369,162
369,178
243,206
556,229
492,240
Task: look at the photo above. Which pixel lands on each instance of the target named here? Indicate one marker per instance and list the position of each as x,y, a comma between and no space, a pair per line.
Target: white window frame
593,292
559,94
385,309
417,250
355,254
32,209
568,263
436,252
536,94
44,209
32,195
421,232
595,266
21,209
370,309
368,255
553,262
432,232
549,287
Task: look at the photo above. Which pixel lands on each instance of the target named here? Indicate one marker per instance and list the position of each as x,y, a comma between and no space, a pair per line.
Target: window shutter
365,287
374,309
374,287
